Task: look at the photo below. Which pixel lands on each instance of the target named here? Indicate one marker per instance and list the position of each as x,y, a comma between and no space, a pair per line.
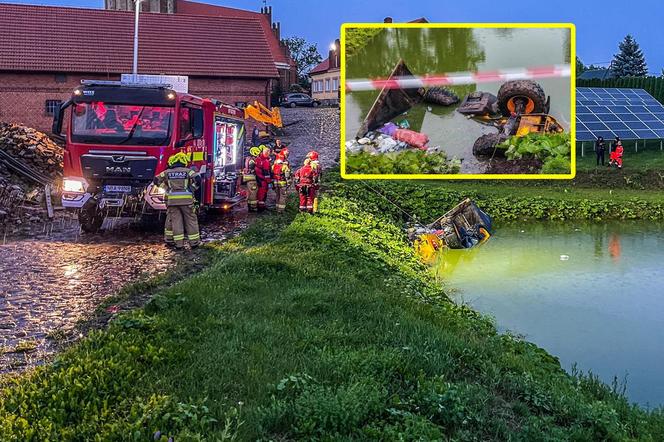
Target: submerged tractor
119,136
521,107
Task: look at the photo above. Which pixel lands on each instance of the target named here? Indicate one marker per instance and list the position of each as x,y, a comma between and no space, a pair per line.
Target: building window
327,85
52,106
60,78
314,86
335,84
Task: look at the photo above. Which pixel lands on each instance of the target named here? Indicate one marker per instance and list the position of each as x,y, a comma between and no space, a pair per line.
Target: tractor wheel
485,146
441,96
528,92
90,218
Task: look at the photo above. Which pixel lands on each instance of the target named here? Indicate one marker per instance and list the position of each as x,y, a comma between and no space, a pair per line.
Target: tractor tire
90,218
526,89
485,146
440,96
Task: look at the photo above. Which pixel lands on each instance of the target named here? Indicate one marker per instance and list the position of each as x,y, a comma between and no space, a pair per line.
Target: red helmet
280,156
313,155
285,152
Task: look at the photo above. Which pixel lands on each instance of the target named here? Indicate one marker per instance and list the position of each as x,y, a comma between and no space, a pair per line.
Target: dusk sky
601,25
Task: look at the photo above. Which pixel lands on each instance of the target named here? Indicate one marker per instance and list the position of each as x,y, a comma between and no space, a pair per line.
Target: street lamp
137,7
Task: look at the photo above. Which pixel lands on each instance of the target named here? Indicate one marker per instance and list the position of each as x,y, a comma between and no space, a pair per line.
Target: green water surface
589,294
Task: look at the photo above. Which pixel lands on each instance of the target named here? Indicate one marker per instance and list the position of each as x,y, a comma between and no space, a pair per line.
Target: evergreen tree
580,67
629,62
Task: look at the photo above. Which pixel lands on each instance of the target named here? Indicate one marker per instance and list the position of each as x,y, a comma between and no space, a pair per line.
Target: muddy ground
53,277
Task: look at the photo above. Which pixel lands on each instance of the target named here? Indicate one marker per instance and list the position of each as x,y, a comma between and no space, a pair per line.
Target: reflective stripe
199,156
281,206
178,237
194,236
179,197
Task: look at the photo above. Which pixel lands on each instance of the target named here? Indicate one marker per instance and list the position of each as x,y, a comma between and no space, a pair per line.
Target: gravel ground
312,129
50,282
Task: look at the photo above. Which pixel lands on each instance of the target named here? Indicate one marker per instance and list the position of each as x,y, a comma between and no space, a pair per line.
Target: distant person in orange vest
616,156
281,175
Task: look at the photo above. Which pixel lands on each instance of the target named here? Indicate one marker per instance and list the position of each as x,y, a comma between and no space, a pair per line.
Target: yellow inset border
459,176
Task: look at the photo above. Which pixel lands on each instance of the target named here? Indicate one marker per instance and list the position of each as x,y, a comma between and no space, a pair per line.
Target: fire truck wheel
527,92
485,146
90,218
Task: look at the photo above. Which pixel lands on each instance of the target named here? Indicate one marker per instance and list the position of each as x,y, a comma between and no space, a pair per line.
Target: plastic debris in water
564,257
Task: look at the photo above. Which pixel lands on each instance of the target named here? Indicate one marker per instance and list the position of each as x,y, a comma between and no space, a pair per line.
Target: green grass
357,38
313,328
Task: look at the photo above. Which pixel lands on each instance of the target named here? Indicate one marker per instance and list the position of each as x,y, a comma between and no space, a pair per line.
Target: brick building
229,54
325,77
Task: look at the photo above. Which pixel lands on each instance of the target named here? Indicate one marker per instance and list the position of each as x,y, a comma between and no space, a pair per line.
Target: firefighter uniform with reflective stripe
305,185
315,165
263,170
281,175
249,177
179,181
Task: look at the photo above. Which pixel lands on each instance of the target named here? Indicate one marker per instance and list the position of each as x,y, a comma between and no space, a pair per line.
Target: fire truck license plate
117,189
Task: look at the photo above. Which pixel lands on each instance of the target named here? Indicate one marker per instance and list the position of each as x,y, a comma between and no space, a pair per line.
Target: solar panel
631,114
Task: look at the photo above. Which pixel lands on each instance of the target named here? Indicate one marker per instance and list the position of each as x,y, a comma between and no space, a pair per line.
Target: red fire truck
119,136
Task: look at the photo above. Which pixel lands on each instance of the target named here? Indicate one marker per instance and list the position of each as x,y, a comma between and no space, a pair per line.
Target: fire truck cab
119,136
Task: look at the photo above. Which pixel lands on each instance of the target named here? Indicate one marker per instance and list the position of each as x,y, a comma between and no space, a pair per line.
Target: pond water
589,294
435,51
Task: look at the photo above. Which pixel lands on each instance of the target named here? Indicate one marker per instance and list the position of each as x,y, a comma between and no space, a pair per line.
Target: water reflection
601,308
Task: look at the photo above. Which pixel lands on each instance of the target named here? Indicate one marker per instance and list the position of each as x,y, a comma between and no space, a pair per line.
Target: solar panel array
631,114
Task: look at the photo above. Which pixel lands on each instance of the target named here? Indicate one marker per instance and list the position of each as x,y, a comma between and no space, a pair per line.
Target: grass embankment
507,200
319,328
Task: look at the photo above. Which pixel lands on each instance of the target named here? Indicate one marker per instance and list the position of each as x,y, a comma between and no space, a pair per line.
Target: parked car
298,99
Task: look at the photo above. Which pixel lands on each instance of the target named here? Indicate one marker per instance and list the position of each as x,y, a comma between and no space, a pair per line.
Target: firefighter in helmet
263,170
180,182
281,175
249,177
304,183
315,165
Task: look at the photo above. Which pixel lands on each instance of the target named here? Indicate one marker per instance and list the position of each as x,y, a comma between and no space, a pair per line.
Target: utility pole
137,7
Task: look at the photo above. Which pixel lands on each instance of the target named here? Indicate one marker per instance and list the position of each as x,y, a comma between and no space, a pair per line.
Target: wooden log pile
32,147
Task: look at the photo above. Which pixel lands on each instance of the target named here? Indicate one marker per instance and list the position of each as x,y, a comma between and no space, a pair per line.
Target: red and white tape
459,78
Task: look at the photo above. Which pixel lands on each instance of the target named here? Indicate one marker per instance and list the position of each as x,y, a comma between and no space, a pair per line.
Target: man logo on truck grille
118,169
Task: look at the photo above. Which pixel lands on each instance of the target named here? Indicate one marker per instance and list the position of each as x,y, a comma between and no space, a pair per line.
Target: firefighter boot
252,196
191,225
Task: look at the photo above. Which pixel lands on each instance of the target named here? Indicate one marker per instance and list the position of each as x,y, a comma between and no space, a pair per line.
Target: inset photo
457,101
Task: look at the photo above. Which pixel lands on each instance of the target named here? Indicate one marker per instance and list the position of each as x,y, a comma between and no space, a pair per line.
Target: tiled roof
321,67
57,39
195,8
